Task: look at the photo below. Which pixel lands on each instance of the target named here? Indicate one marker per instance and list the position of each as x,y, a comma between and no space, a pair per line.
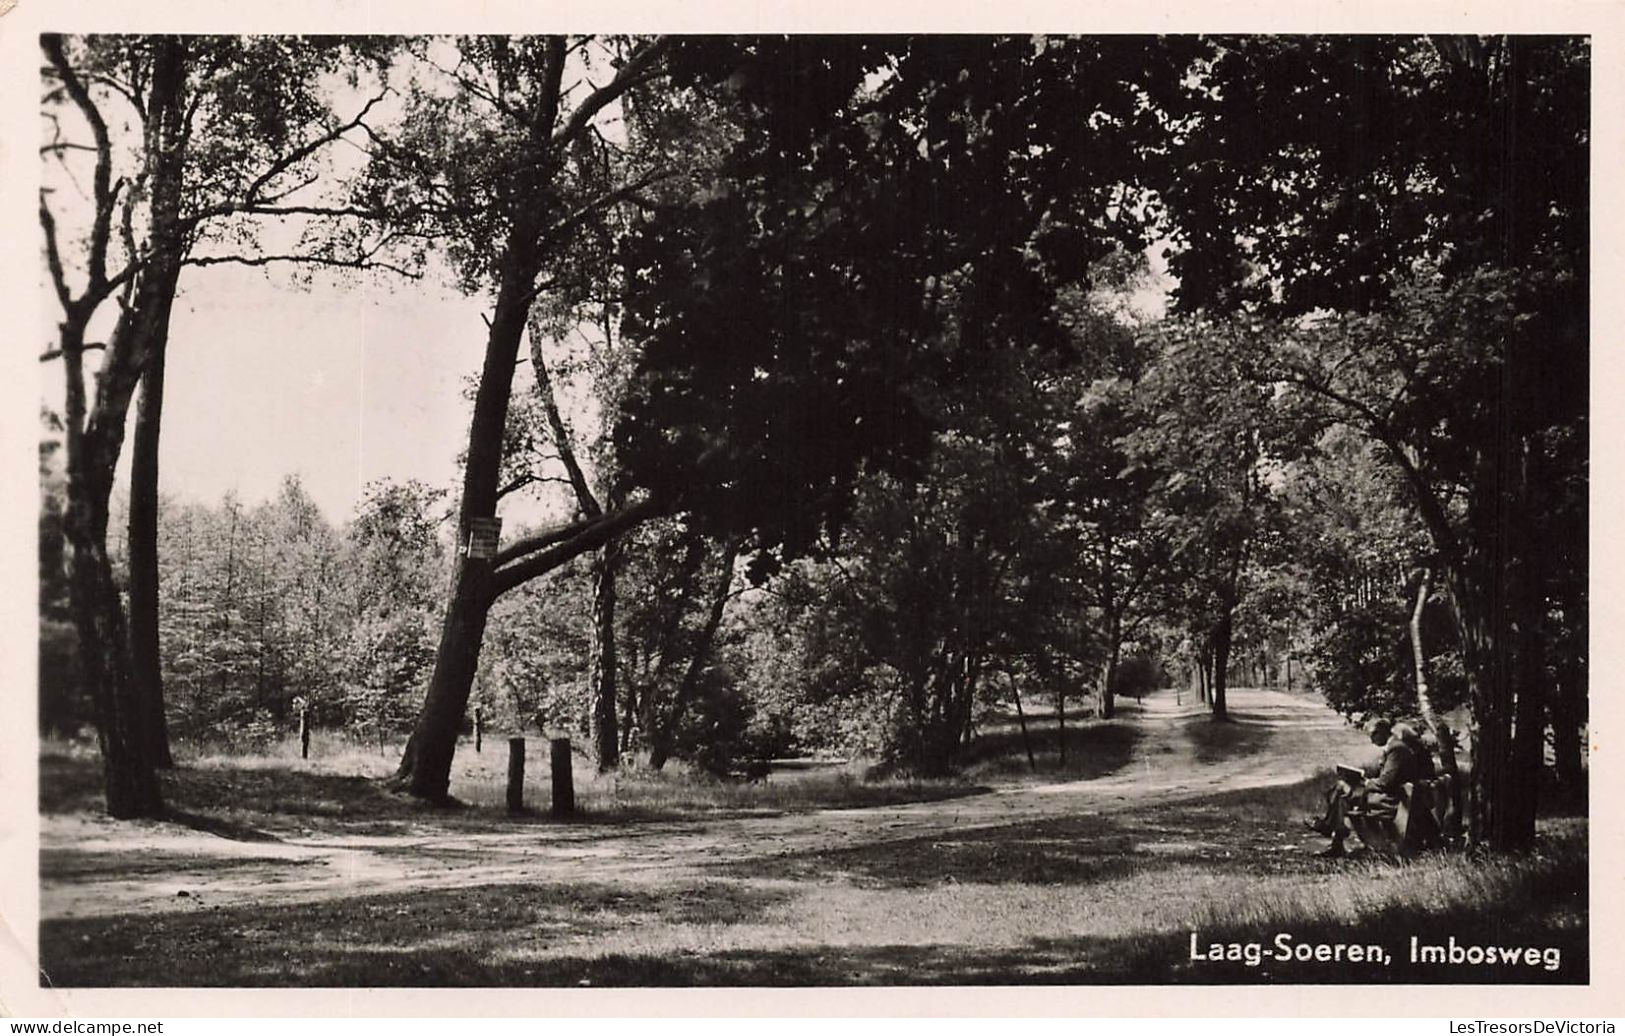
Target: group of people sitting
1406,759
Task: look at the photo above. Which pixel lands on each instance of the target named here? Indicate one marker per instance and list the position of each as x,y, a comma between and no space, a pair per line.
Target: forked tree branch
101,229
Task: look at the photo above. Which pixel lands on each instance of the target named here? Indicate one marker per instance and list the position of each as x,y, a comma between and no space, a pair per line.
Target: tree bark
425,768
1443,736
145,655
1114,636
1496,815
1223,631
1442,733
130,780
601,675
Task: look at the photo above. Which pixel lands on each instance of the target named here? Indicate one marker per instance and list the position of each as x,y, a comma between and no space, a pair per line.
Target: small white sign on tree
483,536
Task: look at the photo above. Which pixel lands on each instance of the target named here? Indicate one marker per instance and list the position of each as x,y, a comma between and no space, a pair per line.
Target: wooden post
304,729
479,726
516,775
564,791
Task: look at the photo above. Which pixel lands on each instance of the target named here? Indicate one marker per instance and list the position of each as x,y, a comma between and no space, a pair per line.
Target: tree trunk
1222,634
601,675
1442,733
104,647
1060,723
1021,717
130,780
1567,711
1114,636
425,768
1443,736
1496,815
664,735
95,438
145,656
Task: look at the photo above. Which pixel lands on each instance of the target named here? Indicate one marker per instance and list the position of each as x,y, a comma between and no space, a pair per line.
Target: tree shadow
450,937
81,865
1074,851
1093,750
399,942
220,827
1236,738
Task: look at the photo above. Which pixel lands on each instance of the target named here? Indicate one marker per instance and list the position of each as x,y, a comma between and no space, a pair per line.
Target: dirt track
1283,738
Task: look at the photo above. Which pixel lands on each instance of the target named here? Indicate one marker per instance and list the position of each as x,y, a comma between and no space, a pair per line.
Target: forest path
1276,738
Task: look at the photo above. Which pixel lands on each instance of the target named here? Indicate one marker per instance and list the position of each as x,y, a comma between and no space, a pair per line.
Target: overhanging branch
638,69
595,535
286,162
540,541
349,263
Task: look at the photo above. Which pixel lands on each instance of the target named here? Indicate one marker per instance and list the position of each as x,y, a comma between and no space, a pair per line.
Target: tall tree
1207,430
504,165
190,139
1321,173
602,674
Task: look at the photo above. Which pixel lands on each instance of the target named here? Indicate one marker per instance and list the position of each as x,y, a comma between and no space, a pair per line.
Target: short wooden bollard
564,789
516,775
304,730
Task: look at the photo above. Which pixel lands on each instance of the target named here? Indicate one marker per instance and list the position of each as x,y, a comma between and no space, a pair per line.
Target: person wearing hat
1381,790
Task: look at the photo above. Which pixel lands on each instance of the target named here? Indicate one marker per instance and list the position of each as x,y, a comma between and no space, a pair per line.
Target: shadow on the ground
89,865
1216,741
554,933
513,936
1093,750
425,937
1256,831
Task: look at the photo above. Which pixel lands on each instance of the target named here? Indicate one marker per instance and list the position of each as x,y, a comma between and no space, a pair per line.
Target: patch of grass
242,796
1534,900
1074,850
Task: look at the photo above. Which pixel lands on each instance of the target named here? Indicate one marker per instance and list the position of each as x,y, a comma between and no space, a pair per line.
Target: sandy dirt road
1282,738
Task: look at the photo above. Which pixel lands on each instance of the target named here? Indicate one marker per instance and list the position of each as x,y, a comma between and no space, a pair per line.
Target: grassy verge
341,787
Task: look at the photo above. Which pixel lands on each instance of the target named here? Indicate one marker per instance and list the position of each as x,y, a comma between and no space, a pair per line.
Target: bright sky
340,384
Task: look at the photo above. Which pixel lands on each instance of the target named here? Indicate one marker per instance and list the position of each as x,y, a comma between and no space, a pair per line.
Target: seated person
1381,790
1421,748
